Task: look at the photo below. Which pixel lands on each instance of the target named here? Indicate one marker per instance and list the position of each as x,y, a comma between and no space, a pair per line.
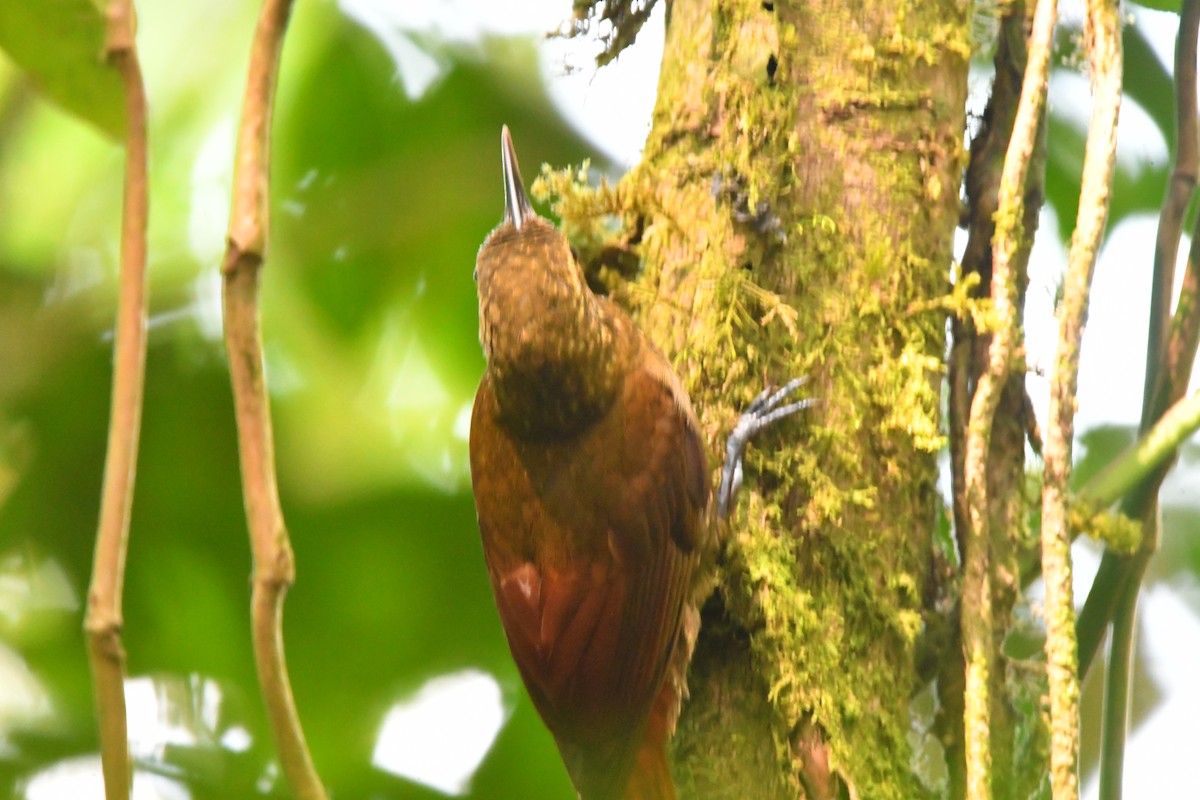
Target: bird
592,487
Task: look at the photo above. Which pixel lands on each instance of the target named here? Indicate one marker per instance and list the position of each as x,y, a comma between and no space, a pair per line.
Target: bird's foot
765,410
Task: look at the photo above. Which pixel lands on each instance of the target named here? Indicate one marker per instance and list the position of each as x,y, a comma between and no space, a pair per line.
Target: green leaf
60,45
1149,81
1099,446
1160,5
1137,187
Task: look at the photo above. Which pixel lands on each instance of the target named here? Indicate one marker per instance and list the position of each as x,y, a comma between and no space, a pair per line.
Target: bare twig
977,624
106,651
274,567
1102,31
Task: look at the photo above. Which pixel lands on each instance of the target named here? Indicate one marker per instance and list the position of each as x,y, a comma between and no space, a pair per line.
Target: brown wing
590,544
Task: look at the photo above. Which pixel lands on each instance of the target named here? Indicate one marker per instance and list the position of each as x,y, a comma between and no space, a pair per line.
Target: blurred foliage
1161,5
380,202
1138,186
71,70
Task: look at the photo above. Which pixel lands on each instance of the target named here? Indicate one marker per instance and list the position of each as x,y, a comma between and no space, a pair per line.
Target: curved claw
764,410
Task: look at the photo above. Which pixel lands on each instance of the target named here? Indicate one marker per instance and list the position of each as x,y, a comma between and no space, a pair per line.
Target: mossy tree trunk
796,205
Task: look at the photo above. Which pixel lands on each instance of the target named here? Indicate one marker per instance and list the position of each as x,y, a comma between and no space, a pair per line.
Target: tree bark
793,215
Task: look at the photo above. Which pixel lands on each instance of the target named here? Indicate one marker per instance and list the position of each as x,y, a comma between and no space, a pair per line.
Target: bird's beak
517,209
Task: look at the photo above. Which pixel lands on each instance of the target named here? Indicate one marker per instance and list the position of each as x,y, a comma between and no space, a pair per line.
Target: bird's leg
766,409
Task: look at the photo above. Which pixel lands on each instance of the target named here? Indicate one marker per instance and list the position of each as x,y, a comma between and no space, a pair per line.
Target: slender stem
1136,464
1102,32
977,623
1092,622
1116,695
274,566
1179,354
106,652
1145,455
1179,195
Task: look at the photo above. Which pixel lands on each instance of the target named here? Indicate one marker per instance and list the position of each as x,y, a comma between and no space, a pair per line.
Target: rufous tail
651,777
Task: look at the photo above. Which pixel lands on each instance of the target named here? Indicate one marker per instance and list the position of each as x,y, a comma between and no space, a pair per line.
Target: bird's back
591,541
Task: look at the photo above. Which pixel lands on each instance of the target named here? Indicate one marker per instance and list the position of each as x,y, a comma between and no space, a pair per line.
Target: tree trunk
794,214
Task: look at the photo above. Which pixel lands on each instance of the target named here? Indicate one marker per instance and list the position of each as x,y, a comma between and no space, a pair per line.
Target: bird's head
530,286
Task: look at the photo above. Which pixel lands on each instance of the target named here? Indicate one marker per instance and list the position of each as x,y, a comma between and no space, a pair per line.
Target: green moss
1116,531
812,633
796,220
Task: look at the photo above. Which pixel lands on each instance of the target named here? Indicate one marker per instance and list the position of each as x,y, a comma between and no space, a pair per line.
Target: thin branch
982,189
1102,30
1180,188
1100,605
274,566
1135,464
103,623
1179,355
968,361
977,623
1116,694
1145,455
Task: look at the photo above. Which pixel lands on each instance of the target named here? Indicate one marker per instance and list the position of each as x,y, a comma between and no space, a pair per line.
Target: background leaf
60,44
